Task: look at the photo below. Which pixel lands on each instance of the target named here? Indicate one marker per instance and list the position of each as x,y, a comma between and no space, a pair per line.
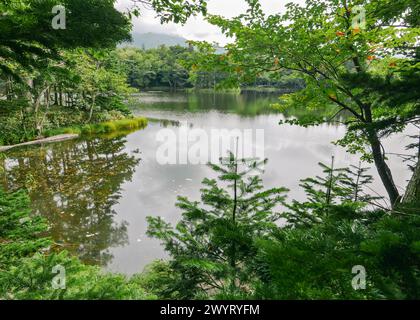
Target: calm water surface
97,192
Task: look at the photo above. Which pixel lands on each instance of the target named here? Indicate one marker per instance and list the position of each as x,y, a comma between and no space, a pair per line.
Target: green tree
41,68
339,189
161,67
346,65
177,11
27,258
317,262
214,240
100,78
27,36
20,236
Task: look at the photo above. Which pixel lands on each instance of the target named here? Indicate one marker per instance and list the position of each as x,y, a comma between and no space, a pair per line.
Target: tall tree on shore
28,38
355,57
27,34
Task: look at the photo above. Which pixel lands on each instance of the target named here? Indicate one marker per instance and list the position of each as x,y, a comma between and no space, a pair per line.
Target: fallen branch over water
61,134
57,138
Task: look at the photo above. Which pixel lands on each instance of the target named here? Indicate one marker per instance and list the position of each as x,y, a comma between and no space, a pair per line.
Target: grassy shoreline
126,125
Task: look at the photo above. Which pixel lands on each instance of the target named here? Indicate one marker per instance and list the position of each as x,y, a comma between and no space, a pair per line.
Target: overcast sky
196,28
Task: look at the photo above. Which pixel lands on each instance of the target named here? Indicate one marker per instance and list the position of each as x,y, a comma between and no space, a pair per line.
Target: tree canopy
27,37
368,69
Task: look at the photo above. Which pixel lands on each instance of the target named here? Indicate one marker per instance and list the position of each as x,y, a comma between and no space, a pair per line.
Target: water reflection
242,104
75,185
96,194
245,105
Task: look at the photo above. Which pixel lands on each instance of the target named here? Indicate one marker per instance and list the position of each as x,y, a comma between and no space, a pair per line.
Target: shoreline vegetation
250,89
278,269
124,125
61,134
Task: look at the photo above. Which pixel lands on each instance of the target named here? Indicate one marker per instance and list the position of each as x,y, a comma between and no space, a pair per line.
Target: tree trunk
383,169
412,194
55,96
91,108
379,159
9,89
235,205
330,182
37,107
60,95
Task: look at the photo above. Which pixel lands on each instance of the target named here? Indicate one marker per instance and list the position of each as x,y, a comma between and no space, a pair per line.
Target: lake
96,192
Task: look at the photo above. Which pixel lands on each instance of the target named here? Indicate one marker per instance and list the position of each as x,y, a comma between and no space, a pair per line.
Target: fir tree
357,180
215,237
337,186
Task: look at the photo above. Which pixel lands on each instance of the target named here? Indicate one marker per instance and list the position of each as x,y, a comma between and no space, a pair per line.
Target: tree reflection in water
75,184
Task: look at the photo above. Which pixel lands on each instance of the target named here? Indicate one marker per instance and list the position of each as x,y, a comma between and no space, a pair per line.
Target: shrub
32,279
27,261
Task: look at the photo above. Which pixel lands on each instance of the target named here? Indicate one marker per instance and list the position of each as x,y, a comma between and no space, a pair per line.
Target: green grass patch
123,125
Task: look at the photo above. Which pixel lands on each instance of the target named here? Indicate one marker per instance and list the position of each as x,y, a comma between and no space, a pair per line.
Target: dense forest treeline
51,78
230,244
178,67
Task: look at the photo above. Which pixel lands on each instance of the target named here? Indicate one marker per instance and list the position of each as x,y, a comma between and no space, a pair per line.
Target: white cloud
197,28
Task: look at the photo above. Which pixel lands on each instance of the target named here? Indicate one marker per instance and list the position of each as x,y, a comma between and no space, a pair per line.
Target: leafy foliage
316,262
339,189
53,78
19,234
368,71
177,11
212,243
28,38
27,260
304,259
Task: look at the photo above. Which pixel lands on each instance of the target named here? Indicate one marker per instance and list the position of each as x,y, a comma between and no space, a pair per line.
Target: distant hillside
154,40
